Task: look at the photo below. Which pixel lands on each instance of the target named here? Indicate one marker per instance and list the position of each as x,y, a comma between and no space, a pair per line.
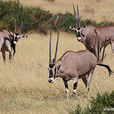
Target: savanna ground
24,86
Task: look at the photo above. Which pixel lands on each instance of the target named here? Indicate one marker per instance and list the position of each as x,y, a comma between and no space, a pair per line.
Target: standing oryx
94,38
73,66
8,41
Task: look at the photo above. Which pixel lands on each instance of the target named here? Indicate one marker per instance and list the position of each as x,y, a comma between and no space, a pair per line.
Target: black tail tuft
106,66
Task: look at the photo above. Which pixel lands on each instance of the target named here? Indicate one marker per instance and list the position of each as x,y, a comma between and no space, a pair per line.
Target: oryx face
16,37
80,32
52,67
52,73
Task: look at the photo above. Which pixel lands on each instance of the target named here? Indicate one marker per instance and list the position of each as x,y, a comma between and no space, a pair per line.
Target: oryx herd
81,64
71,65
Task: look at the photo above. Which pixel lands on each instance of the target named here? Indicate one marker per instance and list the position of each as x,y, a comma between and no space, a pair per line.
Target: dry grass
103,10
23,82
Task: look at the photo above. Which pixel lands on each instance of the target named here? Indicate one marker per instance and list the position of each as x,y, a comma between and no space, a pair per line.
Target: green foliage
69,20
32,18
35,18
98,104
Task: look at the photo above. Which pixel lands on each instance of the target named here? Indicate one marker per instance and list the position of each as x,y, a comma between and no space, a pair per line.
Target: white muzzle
51,80
14,42
79,38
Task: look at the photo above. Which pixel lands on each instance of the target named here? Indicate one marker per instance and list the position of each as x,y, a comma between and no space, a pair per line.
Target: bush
32,18
69,20
35,18
97,105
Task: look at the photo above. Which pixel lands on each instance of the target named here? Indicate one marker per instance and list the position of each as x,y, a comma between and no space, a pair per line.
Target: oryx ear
71,27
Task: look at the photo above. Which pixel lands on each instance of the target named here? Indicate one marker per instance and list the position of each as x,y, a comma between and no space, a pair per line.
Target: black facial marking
50,73
51,65
82,34
78,34
15,39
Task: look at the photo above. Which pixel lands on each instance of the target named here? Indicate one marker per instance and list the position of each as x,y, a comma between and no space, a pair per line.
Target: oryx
94,38
73,66
8,41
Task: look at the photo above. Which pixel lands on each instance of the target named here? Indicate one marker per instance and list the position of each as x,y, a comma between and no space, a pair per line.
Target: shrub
35,18
97,105
32,18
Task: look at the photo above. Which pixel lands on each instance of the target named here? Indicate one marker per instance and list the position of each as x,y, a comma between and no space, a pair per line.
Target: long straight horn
21,27
50,47
78,22
74,15
15,25
54,60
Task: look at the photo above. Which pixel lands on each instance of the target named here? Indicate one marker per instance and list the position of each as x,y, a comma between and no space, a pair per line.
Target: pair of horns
16,27
54,60
77,21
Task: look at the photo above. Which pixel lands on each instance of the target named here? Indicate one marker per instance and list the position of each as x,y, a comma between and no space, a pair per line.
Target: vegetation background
23,82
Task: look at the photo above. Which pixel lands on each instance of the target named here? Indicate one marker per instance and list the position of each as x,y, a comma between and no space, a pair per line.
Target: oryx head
52,68
16,35
77,29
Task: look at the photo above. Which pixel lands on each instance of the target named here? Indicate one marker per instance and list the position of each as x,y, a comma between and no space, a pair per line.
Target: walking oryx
94,38
73,66
8,41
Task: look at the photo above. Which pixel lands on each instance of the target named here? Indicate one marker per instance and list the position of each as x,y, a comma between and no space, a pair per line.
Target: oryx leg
10,56
66,87
8,45
75,84
103,53
4,56
84,79
112,46
88,81
97,53
14,49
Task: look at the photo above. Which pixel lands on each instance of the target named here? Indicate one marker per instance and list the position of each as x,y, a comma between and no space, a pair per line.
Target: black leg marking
14,49
66,87
65,83
75,86
10,55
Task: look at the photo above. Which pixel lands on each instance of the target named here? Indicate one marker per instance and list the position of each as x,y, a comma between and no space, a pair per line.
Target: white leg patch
74,90
66,90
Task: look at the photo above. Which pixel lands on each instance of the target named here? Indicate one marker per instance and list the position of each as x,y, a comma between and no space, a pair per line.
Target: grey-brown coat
73,66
